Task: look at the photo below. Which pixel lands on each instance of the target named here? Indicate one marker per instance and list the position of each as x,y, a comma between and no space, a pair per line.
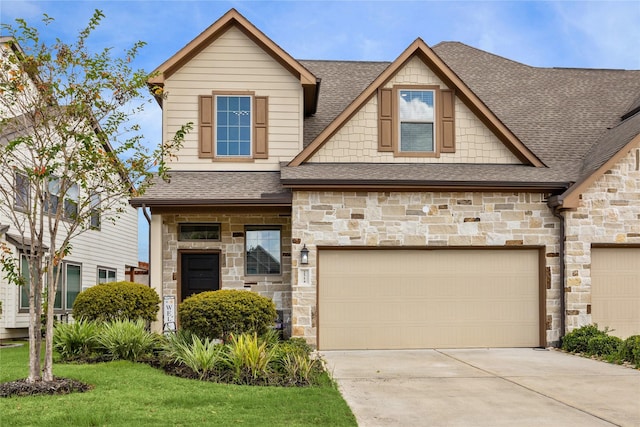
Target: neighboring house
106,252
450,198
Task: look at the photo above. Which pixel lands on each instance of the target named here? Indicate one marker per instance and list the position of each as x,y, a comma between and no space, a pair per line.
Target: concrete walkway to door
484,387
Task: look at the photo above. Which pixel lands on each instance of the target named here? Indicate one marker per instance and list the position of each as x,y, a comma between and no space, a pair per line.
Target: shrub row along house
105,252
450,198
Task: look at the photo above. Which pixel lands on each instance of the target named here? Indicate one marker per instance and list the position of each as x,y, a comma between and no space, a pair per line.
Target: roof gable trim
432,60
570,199
232,19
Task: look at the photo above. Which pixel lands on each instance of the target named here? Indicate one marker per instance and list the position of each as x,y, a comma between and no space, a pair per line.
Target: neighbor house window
106,275
233,125
69,286
22,192
201,231
94,216
416,120
263,250
24,289
70,204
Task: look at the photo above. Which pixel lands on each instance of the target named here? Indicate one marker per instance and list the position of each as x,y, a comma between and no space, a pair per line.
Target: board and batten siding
233,62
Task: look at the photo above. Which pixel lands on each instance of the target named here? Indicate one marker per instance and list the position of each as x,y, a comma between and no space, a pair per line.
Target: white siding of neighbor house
357,140
234,62
114,246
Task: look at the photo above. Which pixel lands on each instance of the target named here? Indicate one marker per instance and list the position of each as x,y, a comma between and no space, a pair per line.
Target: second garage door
397,299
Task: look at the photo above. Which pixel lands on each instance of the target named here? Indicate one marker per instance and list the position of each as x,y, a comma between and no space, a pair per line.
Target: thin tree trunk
35,342
47,372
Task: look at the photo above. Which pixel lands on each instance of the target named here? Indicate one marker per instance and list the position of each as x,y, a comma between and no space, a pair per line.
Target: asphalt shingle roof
215,188
570,118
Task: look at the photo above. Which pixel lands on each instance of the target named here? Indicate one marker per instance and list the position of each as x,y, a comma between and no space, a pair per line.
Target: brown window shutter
205,126
260,131
385,119
447,121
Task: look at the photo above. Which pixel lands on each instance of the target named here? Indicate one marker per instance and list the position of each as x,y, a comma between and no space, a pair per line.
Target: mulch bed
38,388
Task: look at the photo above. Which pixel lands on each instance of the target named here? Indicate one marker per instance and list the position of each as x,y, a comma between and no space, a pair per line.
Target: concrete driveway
484,387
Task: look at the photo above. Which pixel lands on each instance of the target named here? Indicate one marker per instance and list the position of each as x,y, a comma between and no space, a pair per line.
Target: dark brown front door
199,272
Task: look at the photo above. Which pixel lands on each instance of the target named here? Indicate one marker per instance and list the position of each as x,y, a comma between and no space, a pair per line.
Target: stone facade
609,213
232,253
357,140
394,219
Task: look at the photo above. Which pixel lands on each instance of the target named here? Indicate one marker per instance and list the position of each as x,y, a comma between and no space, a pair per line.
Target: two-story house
449,198
106,252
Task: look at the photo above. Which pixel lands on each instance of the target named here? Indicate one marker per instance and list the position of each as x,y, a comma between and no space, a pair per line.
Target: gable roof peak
463,92
232,18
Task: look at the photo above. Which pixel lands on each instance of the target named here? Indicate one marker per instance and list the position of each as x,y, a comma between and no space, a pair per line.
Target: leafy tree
69,154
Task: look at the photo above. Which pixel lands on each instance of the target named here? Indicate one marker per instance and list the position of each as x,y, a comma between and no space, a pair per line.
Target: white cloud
415,110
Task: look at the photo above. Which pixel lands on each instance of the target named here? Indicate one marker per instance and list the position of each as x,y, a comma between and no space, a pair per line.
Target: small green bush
630,350
117,301
577,341
603,345
76,340
218,314
127,340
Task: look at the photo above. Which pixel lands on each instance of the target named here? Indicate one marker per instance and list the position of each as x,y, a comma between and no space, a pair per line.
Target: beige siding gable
357,140
233,62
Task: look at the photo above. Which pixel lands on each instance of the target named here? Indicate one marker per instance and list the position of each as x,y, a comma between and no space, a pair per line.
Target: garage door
401,299
615,289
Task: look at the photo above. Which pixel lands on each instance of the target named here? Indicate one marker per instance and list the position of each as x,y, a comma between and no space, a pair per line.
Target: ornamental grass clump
203,356
128,340
249,358
76,340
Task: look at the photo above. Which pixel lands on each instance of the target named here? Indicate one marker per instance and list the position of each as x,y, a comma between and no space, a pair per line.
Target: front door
199,272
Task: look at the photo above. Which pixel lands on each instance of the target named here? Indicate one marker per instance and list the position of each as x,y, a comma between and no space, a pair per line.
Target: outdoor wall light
304,255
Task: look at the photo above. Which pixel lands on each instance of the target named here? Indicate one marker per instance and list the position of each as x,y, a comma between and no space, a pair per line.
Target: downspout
146,215
556,204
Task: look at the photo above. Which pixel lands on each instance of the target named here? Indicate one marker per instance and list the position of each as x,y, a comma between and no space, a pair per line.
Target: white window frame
107,270
63,287
217,154
432,121
22,188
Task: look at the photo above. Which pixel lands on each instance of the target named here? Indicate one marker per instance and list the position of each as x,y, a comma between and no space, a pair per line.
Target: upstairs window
70,204
232,126
94,216
416,120
22,188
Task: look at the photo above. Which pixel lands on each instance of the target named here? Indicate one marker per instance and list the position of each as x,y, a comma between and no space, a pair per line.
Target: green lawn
130,394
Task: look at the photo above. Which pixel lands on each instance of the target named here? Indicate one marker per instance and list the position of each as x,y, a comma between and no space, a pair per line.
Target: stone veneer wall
232,257
357,140
419,219
609,212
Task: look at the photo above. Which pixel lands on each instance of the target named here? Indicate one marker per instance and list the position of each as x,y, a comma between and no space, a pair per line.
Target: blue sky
595,34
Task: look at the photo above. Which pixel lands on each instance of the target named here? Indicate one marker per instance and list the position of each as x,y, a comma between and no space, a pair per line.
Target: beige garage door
615,289
400,299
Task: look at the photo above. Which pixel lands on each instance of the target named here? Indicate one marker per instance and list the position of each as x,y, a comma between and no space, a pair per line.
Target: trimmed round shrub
577,341
603,345
218,314
117,301
630,350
